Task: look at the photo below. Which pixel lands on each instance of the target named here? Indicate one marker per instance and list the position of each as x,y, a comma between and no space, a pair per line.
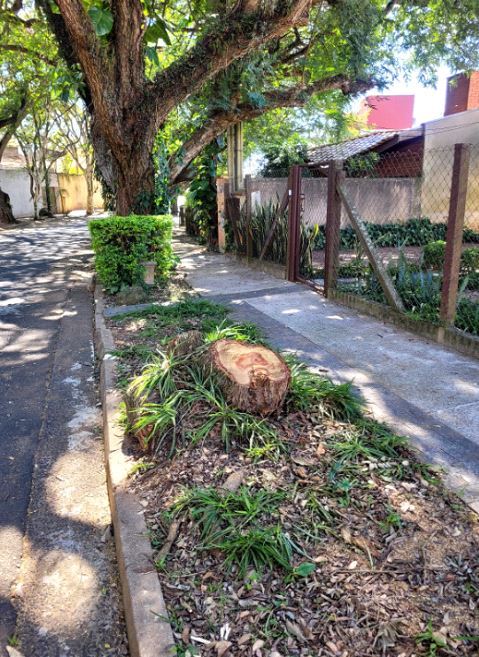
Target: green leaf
304,569
102,20
156,31
256,99
152,55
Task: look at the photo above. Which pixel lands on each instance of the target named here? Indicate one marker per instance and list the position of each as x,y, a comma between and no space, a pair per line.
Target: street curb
148,628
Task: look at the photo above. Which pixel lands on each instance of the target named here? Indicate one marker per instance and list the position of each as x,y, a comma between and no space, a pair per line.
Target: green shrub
467,316
121,244
470,261
434,254
415,232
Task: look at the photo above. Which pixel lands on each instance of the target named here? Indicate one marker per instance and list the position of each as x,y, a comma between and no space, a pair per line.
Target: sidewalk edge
148,628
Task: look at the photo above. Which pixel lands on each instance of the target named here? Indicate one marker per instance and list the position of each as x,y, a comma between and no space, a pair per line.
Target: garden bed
313,532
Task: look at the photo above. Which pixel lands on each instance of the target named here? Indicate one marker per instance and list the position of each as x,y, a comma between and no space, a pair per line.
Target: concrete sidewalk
421,389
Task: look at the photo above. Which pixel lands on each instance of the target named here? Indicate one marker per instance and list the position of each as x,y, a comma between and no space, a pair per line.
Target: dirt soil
392,557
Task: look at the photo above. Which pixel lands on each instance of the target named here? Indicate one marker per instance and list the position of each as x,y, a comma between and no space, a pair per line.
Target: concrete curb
149,632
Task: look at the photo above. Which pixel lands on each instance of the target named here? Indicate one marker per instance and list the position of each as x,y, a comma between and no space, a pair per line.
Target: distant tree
31,75
72,137
41,147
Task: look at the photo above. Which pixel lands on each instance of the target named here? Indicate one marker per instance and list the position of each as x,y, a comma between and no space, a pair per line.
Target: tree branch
128,28
12,122
79,44
244,32
219,121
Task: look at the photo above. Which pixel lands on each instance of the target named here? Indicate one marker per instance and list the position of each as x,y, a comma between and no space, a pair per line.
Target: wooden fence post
294,218
333,225
379,269
248,188
455,225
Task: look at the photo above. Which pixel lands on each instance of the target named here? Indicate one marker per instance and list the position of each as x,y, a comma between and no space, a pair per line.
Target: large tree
217,62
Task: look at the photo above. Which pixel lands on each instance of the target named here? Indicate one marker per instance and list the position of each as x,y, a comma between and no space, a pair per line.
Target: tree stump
253,378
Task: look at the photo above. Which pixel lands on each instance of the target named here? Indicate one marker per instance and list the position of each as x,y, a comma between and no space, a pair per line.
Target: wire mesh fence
467,311
391,216
405,217
258,224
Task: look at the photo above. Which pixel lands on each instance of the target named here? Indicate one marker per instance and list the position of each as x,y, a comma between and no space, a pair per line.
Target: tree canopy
188,69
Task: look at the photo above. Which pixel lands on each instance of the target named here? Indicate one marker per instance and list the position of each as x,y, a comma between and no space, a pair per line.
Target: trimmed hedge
121,244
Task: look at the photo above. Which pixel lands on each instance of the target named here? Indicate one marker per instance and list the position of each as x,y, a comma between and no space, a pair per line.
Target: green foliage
467,316
157,375
420,292
470,261
368,440
279,158
415,232
159,421
262,219
360,165
201,200
163,194
241,332
227,421
311,392
256,548
215,511
431,641
102,19
184,315
121,244
433,255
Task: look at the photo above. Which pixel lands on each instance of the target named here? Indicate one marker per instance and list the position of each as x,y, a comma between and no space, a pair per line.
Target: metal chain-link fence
403,202
467,311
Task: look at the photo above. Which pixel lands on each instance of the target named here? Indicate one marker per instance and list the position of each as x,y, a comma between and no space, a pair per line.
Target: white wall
462,127
439,138
16,183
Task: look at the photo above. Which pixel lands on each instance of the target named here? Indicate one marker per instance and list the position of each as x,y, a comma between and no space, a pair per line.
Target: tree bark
253,378
6,213
11,123
89,188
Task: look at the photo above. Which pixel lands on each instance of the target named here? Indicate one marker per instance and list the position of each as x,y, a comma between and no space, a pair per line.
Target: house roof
370,141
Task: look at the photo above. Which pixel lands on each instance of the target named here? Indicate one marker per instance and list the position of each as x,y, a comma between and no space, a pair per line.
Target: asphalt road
34,263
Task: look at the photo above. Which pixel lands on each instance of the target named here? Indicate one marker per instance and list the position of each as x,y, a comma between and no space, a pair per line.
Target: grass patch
312,392
180,314
214,511
256,548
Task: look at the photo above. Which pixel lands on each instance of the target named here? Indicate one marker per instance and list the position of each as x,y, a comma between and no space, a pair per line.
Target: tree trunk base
6,212
254,378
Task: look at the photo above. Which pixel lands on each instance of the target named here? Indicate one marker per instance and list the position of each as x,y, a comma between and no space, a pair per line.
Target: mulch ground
392,557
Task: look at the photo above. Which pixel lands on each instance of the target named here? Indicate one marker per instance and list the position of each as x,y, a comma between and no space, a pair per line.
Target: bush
434,254
415,232
470,261
121,244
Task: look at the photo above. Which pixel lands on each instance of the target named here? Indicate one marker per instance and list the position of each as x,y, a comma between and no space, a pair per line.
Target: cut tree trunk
6,212
253,378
